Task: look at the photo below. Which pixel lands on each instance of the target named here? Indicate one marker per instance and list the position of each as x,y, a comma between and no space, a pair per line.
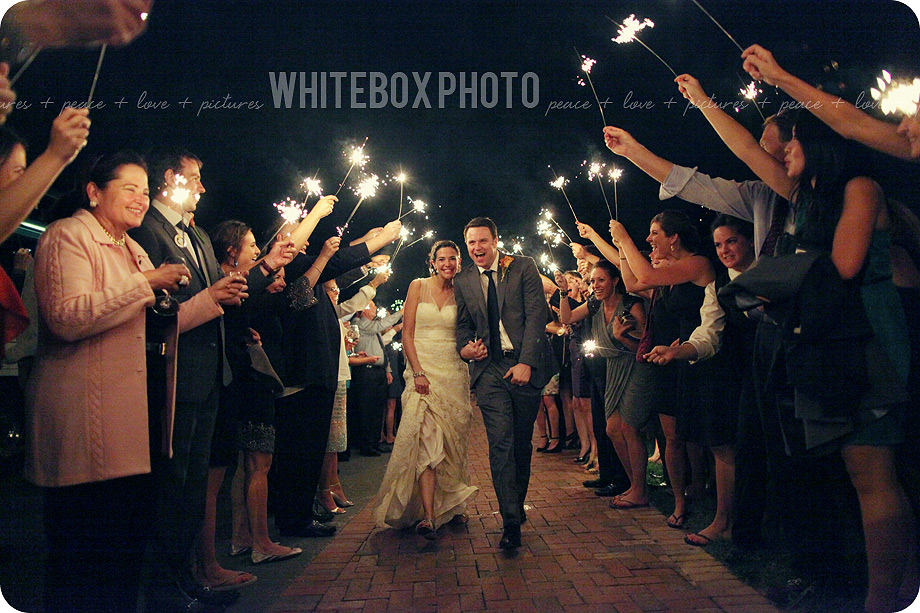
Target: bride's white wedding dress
434,430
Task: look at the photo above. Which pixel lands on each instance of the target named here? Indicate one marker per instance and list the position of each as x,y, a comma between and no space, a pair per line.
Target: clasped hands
476,351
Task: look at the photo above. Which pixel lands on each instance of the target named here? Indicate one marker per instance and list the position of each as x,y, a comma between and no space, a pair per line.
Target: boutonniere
503,266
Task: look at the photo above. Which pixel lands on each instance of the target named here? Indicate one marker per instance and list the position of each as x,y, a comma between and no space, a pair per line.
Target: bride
427,481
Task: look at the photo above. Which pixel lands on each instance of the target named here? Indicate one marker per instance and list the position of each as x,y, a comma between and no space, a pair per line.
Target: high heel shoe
556,449
334,508
340,500
582,459
544,447
572,442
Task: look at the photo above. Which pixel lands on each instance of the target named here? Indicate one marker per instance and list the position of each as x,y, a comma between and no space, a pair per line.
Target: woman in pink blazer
89,443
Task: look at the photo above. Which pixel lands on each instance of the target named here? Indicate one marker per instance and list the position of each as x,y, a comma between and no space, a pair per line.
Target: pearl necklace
118,242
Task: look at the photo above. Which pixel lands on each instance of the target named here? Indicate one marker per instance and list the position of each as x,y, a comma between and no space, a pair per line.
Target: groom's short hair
482,222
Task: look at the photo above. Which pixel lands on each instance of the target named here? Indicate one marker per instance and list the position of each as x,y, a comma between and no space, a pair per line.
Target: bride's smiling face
446,262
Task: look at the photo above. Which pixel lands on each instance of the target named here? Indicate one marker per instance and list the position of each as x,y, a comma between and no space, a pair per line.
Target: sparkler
291,211
179,194
427,235
366,189
559,183
404,233
615,174
595,170
724,31
357,158
382,312
417,206
92,90
586,65
401,177
549,215
898,96
589,347
750,92
628,31
25,65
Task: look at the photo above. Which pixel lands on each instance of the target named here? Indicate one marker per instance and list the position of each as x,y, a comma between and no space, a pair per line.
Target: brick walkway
578,555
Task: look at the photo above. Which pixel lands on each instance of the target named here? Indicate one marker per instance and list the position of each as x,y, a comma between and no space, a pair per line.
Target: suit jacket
200,352
88,390
523,311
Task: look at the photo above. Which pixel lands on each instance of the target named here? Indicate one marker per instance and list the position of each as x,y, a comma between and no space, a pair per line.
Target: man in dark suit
166,232
501,321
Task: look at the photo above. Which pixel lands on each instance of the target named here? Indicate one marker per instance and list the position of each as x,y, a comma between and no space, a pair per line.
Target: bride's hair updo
434,252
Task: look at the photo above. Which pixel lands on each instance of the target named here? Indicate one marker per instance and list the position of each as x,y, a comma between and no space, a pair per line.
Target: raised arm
607,250
622,143
862,203
737,138
695,269
566,314
68,135
842,117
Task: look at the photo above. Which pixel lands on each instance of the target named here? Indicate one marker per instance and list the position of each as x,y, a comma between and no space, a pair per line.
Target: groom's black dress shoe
511,537
595,483
312,529
613,489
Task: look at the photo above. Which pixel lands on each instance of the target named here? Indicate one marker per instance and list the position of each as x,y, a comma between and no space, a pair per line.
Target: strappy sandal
425,528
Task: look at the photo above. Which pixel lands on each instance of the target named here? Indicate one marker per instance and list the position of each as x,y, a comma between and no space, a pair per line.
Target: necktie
495,338
227,374
780,212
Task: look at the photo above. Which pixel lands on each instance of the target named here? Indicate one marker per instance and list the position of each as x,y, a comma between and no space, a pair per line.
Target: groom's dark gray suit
508,411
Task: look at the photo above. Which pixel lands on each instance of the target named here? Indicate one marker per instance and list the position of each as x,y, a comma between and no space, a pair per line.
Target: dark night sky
462,161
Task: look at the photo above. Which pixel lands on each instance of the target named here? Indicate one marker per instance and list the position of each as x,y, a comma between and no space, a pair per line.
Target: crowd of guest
161,355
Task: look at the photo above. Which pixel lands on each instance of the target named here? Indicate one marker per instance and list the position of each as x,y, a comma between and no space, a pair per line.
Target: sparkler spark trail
559,184
426,235
750,92
627,34
366,189
724,31
180,194
357,158
586,65
549,216
92,90
898,97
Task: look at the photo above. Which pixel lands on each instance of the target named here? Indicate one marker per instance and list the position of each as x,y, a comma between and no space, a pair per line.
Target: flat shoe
425,528
706,539
261,558
240,579
238,550
619,503
679,520
459,519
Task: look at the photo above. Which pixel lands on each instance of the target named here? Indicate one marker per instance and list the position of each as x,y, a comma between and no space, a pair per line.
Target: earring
236,263
93,203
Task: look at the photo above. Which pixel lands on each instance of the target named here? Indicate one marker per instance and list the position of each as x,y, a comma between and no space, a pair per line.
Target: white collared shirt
707,338
175,219
507,345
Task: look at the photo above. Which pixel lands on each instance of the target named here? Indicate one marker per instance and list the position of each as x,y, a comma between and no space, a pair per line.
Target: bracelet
418,374
267,269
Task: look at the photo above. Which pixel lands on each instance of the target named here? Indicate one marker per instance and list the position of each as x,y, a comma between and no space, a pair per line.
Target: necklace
118,242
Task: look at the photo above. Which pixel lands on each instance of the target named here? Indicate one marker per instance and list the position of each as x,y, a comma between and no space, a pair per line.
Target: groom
501,321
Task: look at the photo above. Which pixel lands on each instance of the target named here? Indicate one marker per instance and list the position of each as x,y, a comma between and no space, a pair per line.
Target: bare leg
209,571
676,460
328,476
887,525
589,422
540,426
614,425
638,463
389,436
721,526
696,459
583,427
568,413
552,422
257,465
240,536
426,484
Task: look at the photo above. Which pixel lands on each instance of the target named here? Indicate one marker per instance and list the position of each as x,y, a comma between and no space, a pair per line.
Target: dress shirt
175,219
370,340
707,338
752,201
507,345
344,310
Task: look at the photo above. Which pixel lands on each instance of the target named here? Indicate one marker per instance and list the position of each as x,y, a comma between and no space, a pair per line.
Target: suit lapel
500,285
475,289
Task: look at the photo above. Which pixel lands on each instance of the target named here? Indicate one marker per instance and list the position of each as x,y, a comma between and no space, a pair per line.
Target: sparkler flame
401,177
357,157
630,27
368,187
589,347
291,210
180,195
587,63
559,183
615,174
897,97
382,312
594,170
312,187
750,92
